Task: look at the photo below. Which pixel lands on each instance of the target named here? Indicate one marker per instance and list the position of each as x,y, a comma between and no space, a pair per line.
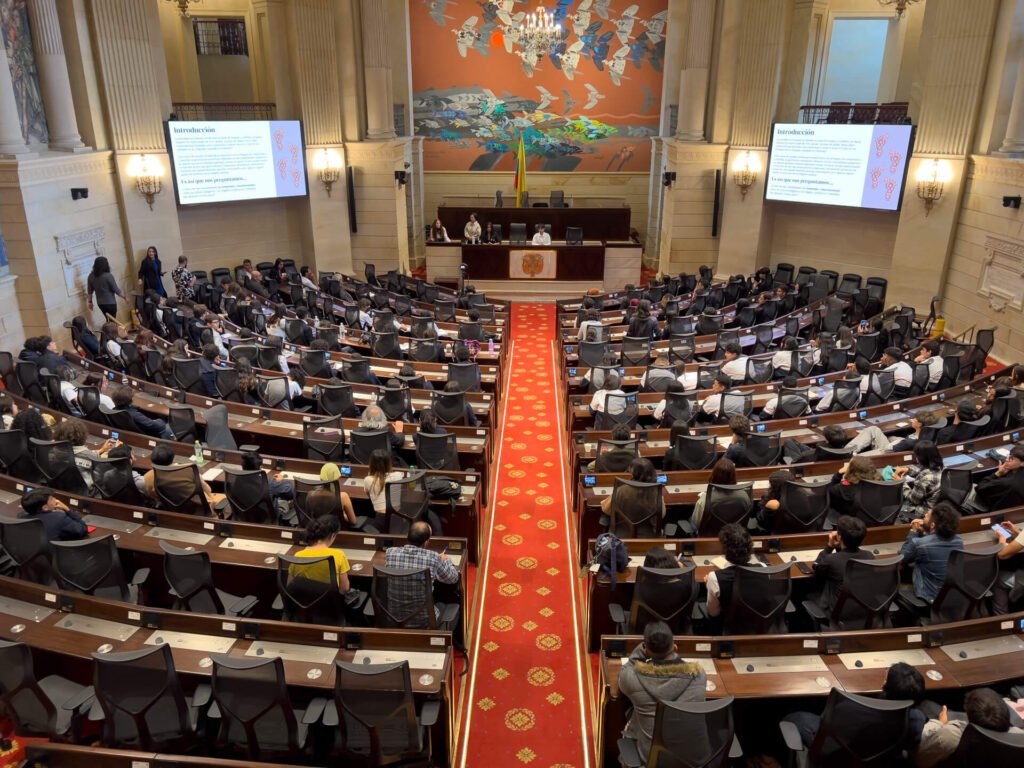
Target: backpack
610,556
440,487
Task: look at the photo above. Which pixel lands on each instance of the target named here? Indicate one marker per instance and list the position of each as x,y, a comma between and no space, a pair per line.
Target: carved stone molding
54,167
1002,170
77,251
1002,274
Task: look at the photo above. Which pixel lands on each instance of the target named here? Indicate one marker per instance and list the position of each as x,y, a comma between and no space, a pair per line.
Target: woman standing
438,234
151,273
103,284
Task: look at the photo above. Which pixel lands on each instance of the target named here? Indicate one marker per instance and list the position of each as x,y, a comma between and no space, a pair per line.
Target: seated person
371,377
921,481
374,419
656,673
541,237
940,736
591,319
672,461
60,522
612,386
919,421
1006,589
927,547
380,471
123,397
208,365
630,502
723,473
735,365
738,549
659,557
415,555
407,375
320,535
791,401
929,355
616,459
859,371
491,236
216,326
471,232
454,387
163,456
843,545
737,451
771,502
842,490
280,487
122,451
657,377
782,360
340,502
306,278
428,423
1002,489
712,404
659,410
903,374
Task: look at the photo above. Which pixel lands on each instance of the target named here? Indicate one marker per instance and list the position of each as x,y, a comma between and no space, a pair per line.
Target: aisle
526,693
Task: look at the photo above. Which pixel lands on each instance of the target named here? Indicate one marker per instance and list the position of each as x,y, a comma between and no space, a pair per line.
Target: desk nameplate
885,659
416,660
312,654
89,625
189,641
753,665
99,521
186,537
982,649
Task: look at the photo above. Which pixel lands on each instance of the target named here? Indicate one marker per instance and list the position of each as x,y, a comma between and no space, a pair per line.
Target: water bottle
200,459
490,346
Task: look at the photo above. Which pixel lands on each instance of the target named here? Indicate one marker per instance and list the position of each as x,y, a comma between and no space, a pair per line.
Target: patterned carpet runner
526,695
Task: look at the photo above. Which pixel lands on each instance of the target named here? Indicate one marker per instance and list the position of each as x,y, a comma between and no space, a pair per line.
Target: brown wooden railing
890,113
216,110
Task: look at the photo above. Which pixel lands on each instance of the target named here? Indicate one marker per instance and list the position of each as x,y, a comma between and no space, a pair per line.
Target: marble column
1013,142
693,80
380,110
12,140
53,76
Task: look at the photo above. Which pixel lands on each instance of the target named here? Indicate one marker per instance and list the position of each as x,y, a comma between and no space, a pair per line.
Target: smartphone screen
346,471
622,371
572,371
761,427
662,478
1002,531
90,528
863,414
115,436
589,481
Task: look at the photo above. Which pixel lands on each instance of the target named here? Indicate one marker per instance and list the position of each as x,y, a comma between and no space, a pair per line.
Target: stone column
1013,142
693,80
380,111
12,140
53,77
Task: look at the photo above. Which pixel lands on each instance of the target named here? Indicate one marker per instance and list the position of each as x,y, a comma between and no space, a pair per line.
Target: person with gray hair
374,419
612,386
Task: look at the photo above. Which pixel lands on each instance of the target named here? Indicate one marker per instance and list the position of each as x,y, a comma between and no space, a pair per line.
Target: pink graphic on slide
883,178
282,168
279,139
295,153
894,161
286,136
296,177
875,174
880,144
890,185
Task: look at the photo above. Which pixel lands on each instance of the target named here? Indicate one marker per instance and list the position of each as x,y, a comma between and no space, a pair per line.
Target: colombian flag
520,182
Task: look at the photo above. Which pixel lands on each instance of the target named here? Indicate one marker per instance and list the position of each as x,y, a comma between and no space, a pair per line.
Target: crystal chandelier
538,31
901,5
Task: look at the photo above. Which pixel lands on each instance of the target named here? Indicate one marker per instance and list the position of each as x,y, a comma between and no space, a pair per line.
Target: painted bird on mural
656,25
624,25
570,60
546,97
466,37
437,11
617,65
570,102
593,97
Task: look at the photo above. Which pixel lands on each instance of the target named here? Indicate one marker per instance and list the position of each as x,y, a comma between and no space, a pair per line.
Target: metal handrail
223,110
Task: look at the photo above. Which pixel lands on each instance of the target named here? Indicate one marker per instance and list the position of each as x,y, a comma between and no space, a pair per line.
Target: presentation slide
860,166
217,162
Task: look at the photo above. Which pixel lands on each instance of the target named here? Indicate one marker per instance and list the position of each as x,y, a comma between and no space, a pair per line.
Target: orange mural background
471,108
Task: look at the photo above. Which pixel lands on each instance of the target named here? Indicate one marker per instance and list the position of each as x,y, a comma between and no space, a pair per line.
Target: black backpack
610,556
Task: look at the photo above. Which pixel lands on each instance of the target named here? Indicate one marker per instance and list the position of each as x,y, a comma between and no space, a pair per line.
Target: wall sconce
401,178
183,6
668,178
745,168
327,164
147,172
931,177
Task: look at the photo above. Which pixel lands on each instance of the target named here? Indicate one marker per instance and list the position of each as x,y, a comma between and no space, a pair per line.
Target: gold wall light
147,172
931,177
327,164
745,168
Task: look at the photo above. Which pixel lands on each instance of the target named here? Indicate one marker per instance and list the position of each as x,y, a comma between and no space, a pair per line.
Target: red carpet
525,706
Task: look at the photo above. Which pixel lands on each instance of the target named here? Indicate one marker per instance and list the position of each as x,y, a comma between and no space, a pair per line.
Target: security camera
1011,201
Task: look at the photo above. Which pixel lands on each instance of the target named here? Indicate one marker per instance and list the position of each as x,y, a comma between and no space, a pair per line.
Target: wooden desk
597,223
574,262
73,756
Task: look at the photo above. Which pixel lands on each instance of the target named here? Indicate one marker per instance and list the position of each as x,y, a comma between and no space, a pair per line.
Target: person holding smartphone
1006,590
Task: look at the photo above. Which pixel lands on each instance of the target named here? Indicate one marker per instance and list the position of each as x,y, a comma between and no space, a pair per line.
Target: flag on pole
520,182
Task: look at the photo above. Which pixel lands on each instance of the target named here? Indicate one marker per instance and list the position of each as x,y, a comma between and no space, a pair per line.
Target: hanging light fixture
901,5
539,32
183,6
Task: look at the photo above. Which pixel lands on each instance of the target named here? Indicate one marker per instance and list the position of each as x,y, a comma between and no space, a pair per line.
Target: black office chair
955,484
517,233
403,598
759,370
336,400
190,581
881,388
305,487
27,374
93,567
659,594
867,346
323,439
119,419
697,451
27,545
723,504
385,345
255,713
764,337
471,331
449,407
307,592
466,375
574,235
793,403
218,433
37,708
970,576
919,379
248,493
855,731
444,311
437,451
735,403
803,507
15,459
635,509
363,442
89,404
865,600
356,371
376,715
763,448
113,479
396,403
678,407
315,363
187,375
760,597
636,351
55,460
180,489
876,502
182,421
681,348
406,502
981,746
591,353
691,734
227,385
144,706
272,391
846,395
426,351
250,352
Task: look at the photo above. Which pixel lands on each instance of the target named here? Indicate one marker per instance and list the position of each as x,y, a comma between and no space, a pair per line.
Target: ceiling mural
590,101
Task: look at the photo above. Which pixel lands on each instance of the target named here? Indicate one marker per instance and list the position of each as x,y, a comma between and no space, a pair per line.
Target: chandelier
183,6
538,31
901,5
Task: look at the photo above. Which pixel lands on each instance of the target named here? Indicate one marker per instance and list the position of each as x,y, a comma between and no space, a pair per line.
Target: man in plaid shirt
403,596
